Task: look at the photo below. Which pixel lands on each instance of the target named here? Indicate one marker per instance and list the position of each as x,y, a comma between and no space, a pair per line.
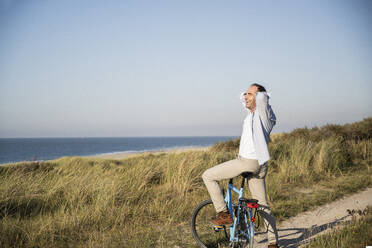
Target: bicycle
240,233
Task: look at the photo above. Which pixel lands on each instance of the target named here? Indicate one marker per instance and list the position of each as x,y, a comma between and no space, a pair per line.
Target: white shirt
256,129
246,147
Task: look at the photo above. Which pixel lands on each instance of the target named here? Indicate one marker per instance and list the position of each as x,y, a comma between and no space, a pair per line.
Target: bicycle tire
203,230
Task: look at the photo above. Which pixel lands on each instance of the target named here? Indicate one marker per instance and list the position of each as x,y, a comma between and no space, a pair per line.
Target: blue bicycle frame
248,222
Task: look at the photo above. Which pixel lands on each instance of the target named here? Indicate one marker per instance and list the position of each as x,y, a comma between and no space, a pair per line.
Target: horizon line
85,137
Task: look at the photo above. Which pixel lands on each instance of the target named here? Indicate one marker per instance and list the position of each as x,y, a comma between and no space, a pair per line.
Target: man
253,157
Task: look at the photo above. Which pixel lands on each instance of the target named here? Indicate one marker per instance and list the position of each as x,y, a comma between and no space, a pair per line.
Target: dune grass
147,200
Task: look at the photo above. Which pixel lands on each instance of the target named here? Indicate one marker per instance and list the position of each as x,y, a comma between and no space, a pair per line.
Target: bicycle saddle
245,200
247,174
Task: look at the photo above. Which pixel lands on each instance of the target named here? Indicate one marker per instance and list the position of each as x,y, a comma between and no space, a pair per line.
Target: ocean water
39,149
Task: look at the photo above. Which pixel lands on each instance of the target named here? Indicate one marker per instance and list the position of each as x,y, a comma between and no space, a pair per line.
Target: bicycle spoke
204,231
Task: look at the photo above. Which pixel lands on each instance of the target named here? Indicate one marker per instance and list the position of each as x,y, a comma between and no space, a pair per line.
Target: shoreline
122,155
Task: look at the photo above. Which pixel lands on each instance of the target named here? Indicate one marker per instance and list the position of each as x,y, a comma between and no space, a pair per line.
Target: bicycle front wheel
203,231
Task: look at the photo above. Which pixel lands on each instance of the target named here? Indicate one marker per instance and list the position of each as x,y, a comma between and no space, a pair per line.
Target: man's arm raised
264,110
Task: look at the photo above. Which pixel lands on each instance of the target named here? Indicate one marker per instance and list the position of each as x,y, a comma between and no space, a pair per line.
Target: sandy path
300,229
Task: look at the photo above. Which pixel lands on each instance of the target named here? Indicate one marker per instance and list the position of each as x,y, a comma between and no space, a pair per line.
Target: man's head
260,88
250,96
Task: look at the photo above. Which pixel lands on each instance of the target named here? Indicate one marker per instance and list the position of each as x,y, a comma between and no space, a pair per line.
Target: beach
13,150
122,155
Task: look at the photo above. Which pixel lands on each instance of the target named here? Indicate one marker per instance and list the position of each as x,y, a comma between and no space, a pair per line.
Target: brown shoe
223,218
273,245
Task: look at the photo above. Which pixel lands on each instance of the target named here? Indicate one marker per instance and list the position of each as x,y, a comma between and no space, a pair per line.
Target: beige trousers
257,186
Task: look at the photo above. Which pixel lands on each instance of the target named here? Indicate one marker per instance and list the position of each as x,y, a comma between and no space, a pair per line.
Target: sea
40,149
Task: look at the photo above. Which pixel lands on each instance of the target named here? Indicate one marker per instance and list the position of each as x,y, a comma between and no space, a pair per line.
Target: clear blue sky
176,68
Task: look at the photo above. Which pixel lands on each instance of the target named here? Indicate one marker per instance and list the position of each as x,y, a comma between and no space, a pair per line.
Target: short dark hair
259,87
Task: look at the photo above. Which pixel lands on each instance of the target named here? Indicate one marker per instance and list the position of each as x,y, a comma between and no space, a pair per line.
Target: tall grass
147,200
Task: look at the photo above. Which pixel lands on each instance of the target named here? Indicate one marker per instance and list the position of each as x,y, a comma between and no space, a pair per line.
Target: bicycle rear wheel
203,231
